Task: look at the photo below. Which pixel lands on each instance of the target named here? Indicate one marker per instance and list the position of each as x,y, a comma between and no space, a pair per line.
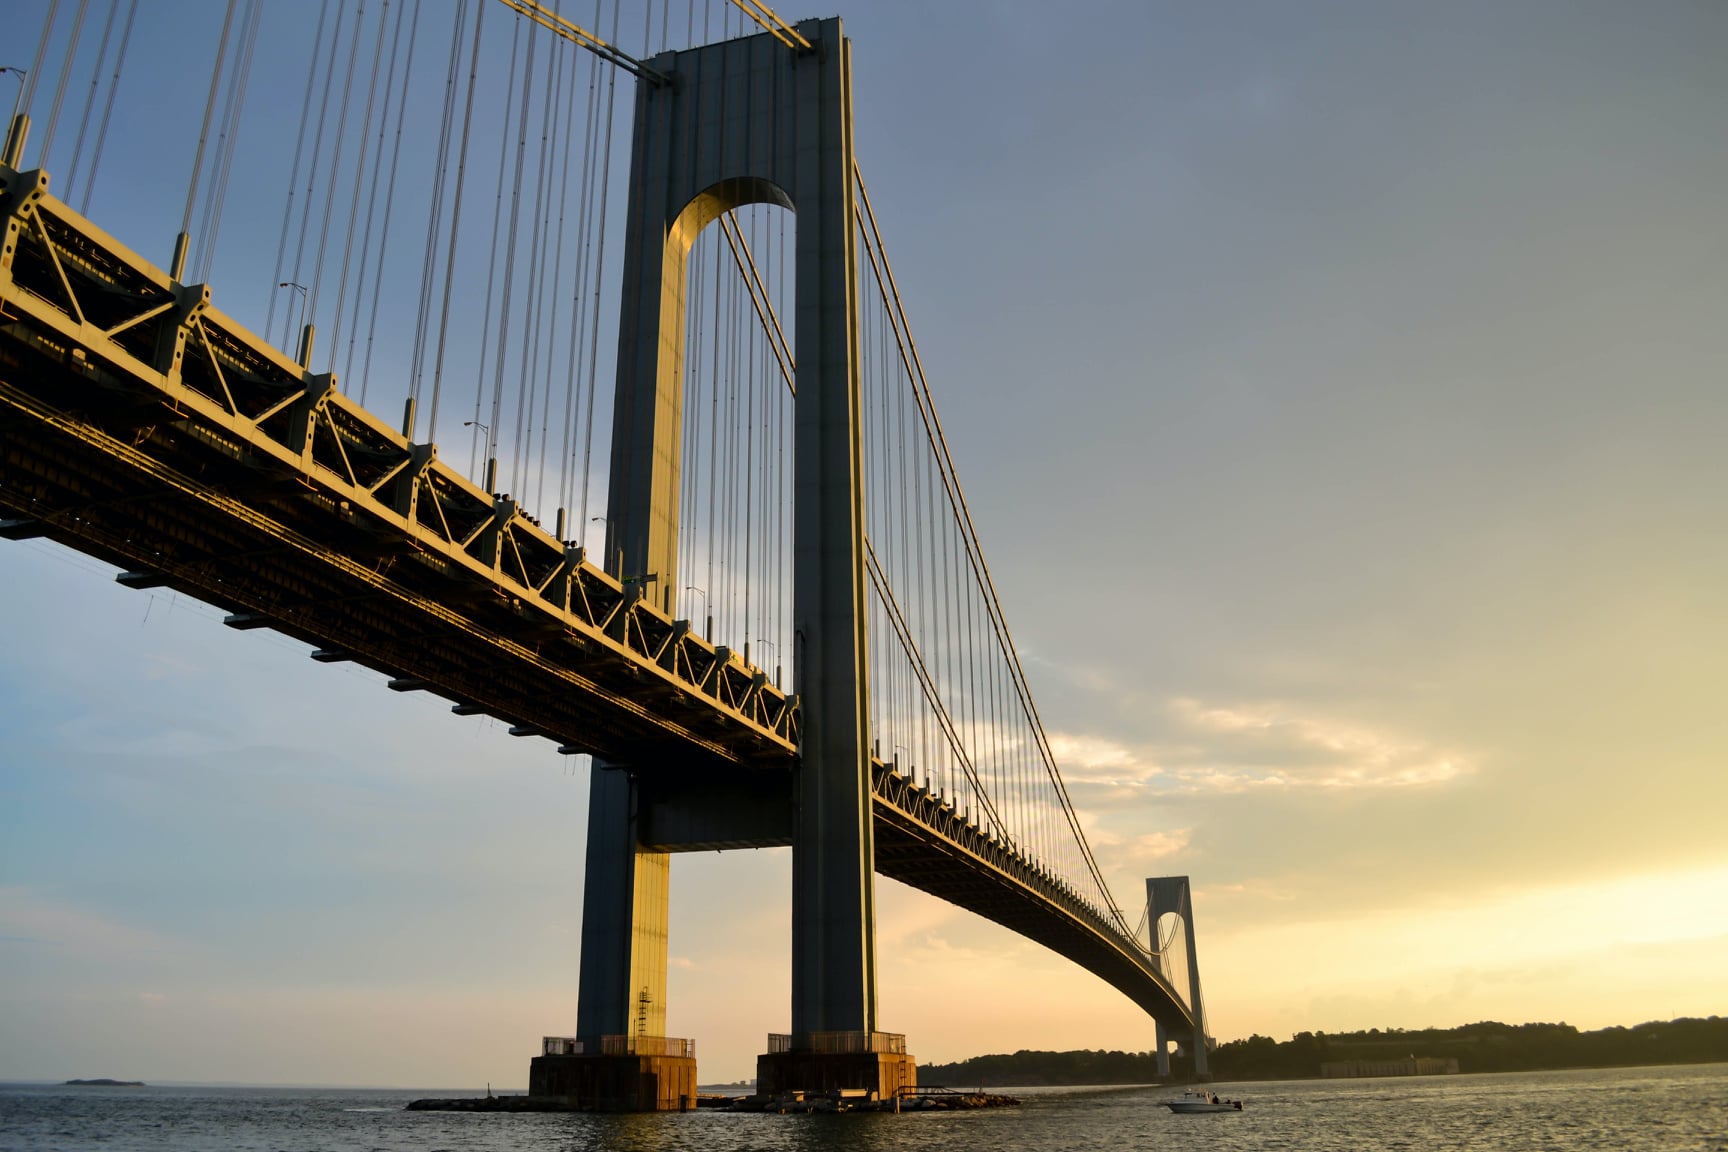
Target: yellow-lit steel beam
582,37
776,27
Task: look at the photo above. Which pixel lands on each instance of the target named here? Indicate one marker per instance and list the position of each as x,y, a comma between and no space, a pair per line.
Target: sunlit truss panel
143,426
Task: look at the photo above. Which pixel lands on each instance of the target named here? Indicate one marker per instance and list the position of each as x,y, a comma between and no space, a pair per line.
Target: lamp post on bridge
14,152
491,460
603,557
708,617
769,643
305,339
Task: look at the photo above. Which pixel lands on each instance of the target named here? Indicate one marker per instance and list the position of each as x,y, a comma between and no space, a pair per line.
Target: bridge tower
1171,894
747,121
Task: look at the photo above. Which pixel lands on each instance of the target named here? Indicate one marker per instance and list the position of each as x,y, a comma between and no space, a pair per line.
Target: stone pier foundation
623,1076
873,1063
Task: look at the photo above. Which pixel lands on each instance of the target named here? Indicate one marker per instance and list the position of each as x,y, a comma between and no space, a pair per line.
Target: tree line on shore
1485,1047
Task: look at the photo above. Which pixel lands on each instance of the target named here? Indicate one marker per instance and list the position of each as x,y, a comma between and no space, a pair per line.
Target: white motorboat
1192,1101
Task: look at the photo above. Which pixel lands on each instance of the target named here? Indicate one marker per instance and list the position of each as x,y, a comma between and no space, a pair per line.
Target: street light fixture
302,288
17,106
708,630
763,640
22,74
491,461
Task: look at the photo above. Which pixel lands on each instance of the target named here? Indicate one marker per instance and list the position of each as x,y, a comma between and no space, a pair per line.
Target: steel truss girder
145,427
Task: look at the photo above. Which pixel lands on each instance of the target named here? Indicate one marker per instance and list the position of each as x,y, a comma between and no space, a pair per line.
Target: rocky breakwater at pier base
785,1104
857,1100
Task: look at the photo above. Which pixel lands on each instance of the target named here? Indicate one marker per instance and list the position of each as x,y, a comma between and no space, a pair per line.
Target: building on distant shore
1414,1066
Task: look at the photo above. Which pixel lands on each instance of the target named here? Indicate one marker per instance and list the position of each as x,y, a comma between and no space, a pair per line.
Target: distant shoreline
104,1082
1478,1048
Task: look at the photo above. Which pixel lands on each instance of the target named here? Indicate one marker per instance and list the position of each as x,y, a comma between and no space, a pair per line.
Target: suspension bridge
785,633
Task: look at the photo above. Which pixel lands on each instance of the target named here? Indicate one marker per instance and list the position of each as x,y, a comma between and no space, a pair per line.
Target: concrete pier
627,1074
874,1063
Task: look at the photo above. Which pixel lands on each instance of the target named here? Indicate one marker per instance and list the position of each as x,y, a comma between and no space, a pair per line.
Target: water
1638,1109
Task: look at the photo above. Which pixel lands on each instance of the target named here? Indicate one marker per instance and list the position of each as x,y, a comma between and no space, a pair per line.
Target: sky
1338,392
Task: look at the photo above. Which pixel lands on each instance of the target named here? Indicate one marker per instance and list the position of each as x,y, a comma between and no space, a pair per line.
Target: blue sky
1338,389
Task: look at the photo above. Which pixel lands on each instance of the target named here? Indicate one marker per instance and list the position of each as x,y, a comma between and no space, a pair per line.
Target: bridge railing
647,1046
838,1042
619,1046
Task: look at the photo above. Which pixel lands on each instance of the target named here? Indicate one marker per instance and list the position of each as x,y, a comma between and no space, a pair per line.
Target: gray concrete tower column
754,121
624,916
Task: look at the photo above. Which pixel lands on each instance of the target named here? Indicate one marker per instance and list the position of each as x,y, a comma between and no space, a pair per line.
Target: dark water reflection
1643,1110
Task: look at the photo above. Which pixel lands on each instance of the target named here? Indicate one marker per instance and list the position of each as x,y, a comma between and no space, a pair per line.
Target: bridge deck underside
353,597
139,425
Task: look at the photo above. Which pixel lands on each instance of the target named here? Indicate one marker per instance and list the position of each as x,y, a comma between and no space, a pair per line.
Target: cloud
1208,748
1244,747
28,918
1157,845
1095,760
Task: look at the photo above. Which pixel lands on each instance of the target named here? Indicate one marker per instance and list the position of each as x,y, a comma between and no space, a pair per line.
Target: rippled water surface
1642,1109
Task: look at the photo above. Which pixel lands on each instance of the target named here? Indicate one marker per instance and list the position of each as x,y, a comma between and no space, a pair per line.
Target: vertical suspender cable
35,72
90,100
389,195
536,278
751,378
455,225
599,268
545,299
491,421
435,212
294,168
209,110
579,292
502,353
227,139
714,441
318,145
336,162
372,197
360,163
108,110
66,74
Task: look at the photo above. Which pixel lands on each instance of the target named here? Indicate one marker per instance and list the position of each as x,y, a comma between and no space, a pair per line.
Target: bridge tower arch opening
747,121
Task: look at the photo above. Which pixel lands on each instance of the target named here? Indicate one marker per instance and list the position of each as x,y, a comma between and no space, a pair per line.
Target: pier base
620,1083
878,1075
